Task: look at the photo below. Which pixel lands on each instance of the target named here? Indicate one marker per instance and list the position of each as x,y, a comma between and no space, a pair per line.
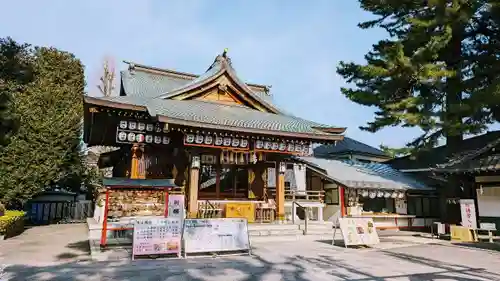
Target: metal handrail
306,217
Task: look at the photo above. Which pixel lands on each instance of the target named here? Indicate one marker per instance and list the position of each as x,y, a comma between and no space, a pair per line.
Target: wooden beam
483,179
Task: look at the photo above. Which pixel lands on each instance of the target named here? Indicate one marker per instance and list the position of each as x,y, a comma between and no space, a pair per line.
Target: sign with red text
468,210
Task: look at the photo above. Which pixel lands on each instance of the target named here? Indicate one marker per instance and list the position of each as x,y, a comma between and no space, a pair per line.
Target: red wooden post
166,203
105,222
342,201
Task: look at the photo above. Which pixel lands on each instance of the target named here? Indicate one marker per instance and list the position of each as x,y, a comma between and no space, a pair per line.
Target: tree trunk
453,121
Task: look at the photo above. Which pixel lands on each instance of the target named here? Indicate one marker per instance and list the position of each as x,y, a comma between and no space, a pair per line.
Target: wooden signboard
157,236
357,231
215,236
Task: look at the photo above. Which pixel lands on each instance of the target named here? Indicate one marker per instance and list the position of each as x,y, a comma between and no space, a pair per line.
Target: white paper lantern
189,138
149,127
219,140
290,147
132,125
149,138
235,142
394,194
282,146
244,143
166,140
380,194
373,194
131,137
123,124
298,148
122,136
387,194
268,145
401,195
141,126
209,140
157,139
364,193
199,139
227,141
275,146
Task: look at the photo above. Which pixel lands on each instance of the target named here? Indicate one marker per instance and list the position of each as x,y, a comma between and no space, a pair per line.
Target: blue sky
292,45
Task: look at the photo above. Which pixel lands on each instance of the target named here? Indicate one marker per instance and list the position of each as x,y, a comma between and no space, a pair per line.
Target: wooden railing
265,212
299,196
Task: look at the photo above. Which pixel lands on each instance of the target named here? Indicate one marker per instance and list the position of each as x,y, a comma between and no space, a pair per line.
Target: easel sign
357,232
157,236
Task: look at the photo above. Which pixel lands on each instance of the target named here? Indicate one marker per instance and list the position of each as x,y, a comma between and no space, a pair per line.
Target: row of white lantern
132,125
133,137
217,140
379,193
282,146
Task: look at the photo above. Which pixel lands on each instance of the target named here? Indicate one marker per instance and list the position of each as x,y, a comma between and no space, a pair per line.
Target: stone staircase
289,229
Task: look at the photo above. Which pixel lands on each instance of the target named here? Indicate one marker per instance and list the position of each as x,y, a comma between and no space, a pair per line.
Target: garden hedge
12,223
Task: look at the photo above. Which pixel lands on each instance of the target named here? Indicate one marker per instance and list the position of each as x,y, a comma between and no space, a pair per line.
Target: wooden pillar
343,212
194,175
280,190
137,165
218,173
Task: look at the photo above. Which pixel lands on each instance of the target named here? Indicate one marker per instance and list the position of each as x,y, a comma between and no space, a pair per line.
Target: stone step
285,232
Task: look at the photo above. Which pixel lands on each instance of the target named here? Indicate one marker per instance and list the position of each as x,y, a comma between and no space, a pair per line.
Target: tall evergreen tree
439,70
46,152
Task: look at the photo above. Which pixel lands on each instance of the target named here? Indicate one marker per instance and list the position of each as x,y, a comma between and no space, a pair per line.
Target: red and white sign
468,210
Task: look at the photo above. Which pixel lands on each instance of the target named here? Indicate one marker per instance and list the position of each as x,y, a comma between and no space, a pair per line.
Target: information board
215,235
156,236
358,231
468,210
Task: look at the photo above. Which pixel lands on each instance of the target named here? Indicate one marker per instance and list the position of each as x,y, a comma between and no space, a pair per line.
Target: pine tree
438,71
45,152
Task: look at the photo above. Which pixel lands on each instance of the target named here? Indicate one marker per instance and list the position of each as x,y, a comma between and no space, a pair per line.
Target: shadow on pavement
245,268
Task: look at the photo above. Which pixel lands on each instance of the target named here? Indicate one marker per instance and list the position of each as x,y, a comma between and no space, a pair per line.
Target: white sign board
215,235
468,210
358,231
156,235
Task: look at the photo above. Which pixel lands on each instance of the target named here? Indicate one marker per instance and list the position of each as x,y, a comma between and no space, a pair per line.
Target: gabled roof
364,175
431,159
348,145
151,82
221,117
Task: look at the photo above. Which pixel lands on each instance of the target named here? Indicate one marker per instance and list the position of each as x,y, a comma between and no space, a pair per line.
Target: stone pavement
43,245
297,259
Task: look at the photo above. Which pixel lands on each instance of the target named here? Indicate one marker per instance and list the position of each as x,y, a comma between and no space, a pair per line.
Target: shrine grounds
61,252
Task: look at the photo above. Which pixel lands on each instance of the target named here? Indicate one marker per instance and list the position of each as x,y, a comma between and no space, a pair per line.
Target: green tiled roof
150,84
223,115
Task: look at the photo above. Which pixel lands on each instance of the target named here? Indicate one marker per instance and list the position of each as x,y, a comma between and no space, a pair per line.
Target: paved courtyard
308,258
